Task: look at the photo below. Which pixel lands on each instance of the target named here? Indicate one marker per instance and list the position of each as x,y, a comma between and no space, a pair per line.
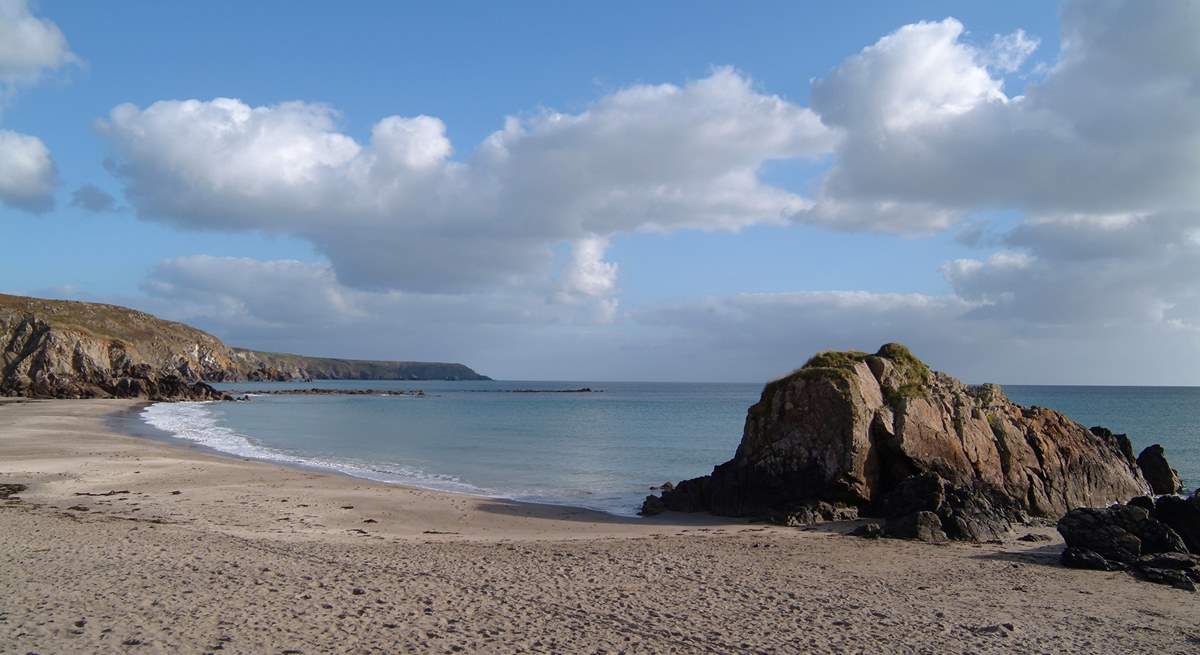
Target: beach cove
122,543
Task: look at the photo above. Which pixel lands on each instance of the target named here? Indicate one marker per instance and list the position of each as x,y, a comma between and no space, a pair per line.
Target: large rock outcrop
885,435
67,349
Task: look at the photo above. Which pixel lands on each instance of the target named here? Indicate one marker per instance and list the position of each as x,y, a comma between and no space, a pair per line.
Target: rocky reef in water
881,435
68,349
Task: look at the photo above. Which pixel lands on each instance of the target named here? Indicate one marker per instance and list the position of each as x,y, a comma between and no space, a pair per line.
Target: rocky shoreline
880,436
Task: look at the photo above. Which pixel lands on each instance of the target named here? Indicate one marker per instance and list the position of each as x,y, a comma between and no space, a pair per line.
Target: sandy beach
128,544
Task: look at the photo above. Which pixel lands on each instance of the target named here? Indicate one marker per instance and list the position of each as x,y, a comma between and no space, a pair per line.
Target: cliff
68,349
883,435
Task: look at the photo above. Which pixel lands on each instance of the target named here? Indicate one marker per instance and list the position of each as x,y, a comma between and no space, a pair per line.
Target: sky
688,191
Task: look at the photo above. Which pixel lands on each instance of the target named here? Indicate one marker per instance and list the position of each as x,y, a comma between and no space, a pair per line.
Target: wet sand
128,544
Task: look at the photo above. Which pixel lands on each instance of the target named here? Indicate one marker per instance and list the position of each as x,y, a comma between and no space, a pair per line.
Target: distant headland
72,349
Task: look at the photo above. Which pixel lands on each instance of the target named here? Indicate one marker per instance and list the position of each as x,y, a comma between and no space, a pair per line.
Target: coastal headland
119,543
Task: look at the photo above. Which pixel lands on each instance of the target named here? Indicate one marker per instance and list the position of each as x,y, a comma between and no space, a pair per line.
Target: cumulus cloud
29,46
1113,126
250,300
94,199
1116,271
589,278
1096,159
27,173
399,213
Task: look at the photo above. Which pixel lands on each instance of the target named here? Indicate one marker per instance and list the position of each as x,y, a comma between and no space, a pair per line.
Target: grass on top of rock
913,374
912,370
836,359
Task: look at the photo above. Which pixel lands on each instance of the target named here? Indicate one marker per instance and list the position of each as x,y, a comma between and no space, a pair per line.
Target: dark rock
1177,561
1121,533
814,512
1145,502
687,496
652,505
1173,577
1081,558
867,531
1034,538
1158,473
1183,516
922,526
884,434
10,490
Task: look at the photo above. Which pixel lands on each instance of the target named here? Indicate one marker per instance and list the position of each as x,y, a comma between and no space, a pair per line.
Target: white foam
193,421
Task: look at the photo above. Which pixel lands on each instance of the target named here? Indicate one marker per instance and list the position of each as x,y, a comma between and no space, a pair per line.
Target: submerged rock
884,434
1158,473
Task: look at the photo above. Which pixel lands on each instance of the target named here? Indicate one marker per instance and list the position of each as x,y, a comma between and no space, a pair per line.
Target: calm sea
597,450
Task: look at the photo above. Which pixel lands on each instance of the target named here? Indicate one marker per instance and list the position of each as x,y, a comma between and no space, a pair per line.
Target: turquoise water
597,450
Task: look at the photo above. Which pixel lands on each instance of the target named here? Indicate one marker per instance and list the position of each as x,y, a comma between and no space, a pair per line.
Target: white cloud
920,74
27,172
1122,272
1113,126
588,278
1097,158
1009,51
254,301
29,46
398,213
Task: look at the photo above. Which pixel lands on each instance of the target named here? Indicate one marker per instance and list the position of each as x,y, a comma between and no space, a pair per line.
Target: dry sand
197,552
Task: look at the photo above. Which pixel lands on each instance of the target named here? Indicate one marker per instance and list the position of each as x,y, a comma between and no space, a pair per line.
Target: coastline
199,549
130,422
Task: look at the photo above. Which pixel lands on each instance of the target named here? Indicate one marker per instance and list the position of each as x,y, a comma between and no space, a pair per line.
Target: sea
601,450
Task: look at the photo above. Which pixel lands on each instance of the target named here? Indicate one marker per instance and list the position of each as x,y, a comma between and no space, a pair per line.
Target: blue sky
637,289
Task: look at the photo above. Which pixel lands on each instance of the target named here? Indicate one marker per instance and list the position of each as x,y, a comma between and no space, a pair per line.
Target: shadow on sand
583,515
1047,555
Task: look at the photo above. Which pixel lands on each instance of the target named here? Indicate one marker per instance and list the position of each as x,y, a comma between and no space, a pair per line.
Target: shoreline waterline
177,424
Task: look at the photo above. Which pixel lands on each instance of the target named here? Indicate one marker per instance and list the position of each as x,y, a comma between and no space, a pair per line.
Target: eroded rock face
42,359
1158,473
885,435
